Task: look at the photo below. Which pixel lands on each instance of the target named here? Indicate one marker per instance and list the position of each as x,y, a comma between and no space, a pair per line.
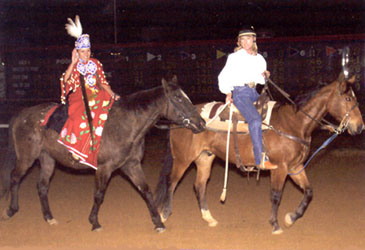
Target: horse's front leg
102,177
301,180
277,182
47,169
204,165
135,173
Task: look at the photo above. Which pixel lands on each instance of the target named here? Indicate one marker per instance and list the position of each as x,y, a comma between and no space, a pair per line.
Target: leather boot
266,164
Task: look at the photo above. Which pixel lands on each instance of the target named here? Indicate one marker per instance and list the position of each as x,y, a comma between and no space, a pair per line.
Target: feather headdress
74,29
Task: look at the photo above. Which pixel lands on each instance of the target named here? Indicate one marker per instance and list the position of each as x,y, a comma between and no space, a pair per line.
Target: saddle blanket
215,116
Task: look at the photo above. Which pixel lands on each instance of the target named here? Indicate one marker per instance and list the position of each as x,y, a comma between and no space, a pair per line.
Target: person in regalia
89,98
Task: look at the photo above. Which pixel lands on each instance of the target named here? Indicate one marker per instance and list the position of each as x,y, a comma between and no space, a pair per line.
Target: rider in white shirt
243,70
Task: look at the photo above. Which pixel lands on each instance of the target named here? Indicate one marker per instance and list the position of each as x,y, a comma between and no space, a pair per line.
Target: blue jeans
243,98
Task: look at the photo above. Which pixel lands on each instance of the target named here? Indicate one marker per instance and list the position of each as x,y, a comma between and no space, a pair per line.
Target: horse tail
164,179
8,165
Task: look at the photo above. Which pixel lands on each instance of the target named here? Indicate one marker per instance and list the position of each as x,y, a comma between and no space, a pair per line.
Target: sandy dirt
334,220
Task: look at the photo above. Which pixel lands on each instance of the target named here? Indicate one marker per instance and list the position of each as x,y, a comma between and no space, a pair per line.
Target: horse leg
136,175
21,167
301,180
277,182
178,170
47,169
204,165
102,176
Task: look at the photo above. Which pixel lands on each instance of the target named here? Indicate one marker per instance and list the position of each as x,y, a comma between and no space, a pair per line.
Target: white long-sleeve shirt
241,68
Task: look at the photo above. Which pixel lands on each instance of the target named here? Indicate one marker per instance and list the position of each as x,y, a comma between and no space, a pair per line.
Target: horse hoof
163,218
52,221
4,216
207,216
288,221
98,229
212,223
277,231
160,229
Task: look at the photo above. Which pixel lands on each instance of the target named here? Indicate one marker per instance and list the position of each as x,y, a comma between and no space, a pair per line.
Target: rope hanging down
224,192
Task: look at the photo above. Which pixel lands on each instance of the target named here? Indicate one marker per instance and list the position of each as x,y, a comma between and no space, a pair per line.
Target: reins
322,122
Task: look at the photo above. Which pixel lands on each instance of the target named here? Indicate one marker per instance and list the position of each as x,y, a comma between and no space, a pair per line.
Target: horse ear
341,77
165,84
352,79
343,85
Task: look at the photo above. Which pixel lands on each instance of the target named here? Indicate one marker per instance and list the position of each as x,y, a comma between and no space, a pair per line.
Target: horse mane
140,100
303,99
143,99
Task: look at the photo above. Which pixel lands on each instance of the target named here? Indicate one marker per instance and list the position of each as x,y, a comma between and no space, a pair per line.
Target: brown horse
287,145
122,147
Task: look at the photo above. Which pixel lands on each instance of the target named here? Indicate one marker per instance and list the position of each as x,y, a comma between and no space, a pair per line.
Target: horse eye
348,99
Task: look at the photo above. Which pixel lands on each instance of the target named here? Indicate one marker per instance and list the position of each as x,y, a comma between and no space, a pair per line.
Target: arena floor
334,219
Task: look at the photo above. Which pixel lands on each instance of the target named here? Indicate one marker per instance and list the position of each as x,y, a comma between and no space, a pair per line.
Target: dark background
141,41
41,23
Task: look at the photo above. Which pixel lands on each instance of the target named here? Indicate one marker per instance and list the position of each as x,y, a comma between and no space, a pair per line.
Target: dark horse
337,99
122,146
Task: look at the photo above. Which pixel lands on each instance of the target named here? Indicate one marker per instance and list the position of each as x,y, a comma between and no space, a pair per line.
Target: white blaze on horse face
185,95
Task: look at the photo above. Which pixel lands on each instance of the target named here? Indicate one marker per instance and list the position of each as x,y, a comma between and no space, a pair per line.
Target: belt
249,84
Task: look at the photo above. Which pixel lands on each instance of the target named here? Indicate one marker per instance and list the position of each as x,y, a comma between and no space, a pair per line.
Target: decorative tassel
223,195
74,28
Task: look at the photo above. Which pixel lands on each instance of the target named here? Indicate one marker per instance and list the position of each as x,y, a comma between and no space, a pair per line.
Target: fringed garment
75,134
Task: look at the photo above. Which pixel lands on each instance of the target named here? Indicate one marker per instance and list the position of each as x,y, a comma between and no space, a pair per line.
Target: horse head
179,107
344,106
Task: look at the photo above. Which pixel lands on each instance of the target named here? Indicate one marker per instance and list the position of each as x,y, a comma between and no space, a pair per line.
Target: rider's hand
266,74
75,56
229,98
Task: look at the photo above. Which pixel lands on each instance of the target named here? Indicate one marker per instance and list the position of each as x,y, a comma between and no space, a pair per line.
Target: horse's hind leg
178,169
135,173
301,180
204,165
47,169
21,167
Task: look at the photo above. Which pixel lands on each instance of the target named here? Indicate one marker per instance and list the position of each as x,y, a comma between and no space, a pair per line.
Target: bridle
323,122
185,117
337,131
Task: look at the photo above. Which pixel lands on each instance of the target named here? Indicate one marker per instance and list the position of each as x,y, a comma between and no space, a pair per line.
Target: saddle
216,114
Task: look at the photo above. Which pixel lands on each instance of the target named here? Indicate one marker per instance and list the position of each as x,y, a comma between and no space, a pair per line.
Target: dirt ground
334,220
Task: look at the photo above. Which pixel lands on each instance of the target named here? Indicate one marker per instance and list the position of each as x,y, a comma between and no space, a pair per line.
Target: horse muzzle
195,126
355,129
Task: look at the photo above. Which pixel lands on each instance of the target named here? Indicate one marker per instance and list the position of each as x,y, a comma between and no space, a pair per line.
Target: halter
345,120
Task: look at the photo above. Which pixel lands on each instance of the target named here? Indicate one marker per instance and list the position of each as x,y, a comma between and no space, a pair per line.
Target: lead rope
224,192
341,128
